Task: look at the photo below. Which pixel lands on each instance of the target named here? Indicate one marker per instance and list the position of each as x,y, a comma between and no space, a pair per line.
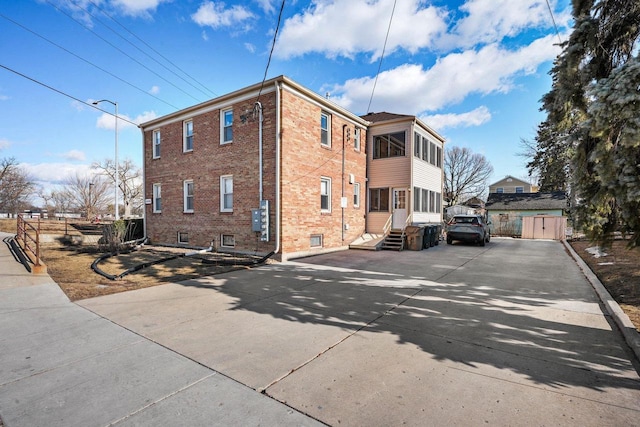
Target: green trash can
427,237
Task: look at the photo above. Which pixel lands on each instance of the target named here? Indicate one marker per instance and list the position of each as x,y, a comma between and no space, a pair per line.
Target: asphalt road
508,334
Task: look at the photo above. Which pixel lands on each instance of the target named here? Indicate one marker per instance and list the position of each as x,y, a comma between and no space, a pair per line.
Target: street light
115,104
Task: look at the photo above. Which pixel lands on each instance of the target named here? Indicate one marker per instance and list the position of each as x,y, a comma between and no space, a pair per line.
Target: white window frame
356,194
327,195
521,189
315,237
356,139
156,141
500,190
157,196
182,241
185,193
185,135
223,126
223,180
222,241
327,130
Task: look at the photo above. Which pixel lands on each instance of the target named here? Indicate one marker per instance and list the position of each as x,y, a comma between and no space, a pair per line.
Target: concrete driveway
508,334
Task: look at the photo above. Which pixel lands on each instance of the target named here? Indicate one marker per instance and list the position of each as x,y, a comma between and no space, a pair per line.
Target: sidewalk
62,365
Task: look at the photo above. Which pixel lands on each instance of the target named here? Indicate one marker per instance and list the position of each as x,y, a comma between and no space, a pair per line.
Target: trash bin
438,233
427,237
430,236
414,236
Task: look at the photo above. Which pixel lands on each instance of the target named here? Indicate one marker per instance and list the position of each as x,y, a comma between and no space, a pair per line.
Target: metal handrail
27,241
387,226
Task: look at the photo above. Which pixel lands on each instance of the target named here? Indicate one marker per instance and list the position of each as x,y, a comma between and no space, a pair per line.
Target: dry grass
619,272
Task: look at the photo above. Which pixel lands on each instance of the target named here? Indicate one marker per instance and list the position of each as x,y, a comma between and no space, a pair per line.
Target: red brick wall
303,162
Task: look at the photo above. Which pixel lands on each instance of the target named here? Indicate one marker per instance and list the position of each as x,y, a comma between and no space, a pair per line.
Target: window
416,199
188,196
226,130
425,149
416,144
325,129
519,189
183,238
499,190
315,241
425,200
439,158
378,200
156,144
356,139
356,195
187,132
438,203
325,194
391,145
432,153
226,193
432,201
228,241
157,198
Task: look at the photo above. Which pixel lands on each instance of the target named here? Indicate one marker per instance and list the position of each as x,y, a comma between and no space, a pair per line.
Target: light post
115,104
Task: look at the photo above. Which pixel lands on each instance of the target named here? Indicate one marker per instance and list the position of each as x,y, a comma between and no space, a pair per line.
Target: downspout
144,191
258,106
344,127
278,133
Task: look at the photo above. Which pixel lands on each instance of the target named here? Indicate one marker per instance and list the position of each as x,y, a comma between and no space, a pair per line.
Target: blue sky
473,70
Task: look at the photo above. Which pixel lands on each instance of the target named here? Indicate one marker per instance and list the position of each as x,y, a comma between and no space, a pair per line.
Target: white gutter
144,190
258,105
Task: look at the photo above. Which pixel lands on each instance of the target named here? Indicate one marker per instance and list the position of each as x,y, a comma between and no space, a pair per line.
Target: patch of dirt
70,267
618,268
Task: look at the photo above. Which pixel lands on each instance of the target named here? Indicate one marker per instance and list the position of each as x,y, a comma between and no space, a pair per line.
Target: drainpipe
258,106
144,191
278,133
344,128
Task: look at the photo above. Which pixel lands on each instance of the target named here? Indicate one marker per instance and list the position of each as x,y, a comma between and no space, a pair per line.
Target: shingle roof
384,116
527,201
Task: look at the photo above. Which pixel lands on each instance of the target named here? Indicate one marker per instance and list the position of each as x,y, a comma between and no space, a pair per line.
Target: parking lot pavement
507,334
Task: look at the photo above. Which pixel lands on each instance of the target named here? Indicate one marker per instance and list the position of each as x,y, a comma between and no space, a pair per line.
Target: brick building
210,167
320,175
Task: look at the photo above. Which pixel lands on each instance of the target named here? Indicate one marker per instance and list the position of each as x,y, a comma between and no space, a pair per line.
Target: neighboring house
404,171
268,168
507,210
510,184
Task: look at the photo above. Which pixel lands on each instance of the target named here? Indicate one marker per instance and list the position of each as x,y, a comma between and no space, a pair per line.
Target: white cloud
213,14
55,173
477,117
266,5
205,36
108,122
412,89
347,27
154,90
137,7
250,47
4,97
74,155
4,143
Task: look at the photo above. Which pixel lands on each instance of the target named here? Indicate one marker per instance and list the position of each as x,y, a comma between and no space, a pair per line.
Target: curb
629,331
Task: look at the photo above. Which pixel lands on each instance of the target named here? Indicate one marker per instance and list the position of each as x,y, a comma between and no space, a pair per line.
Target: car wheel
449,241
488,238
482,242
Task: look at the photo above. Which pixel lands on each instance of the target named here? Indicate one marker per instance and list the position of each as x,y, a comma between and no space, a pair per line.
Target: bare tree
129,183
16,186
88,194
466,175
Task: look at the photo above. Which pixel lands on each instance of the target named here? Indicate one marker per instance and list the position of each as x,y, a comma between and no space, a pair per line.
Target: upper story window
432,153
226,130
439,157
519,189
425,149
356,139
325,129
390,145
188,196
157,198
416,144
156,144
325,194
226,193
187,132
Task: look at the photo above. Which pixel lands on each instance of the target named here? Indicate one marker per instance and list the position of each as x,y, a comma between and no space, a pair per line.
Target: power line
120,50
211,93
66,94
87,61
554,22
382,56
273,44
207,92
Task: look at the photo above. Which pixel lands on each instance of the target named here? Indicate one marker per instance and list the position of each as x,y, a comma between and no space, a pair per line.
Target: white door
399,207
